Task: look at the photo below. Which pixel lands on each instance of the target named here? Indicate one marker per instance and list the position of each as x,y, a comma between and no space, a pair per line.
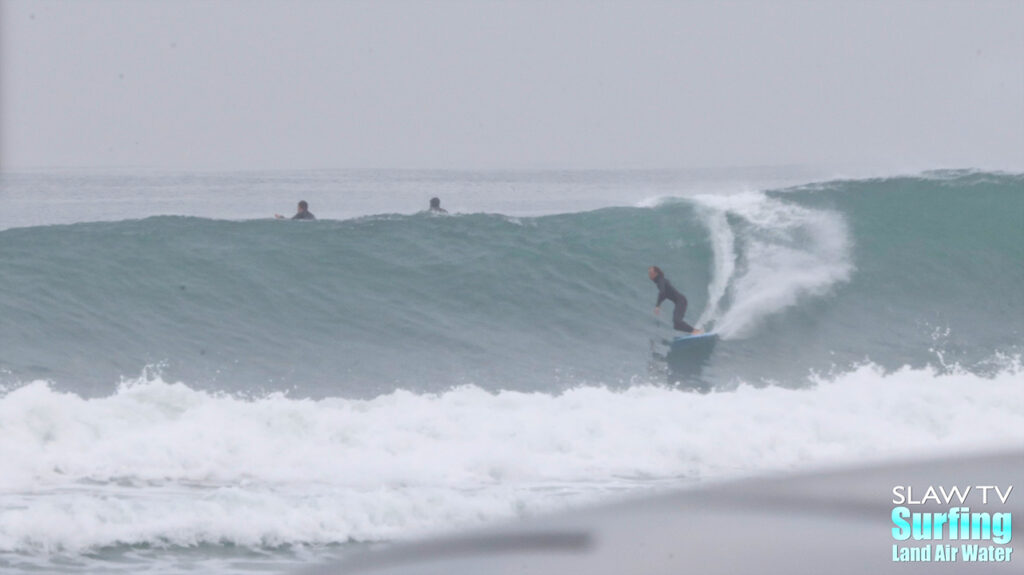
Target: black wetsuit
306,215
667,292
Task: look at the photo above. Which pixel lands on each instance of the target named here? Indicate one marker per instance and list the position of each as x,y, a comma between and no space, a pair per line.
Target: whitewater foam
163,464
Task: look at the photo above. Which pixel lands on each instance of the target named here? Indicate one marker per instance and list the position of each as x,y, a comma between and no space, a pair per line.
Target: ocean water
187,385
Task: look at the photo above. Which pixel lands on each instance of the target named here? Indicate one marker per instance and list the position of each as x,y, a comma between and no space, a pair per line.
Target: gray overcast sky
275,84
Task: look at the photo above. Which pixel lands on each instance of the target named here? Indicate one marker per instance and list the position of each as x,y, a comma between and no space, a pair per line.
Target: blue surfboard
692,339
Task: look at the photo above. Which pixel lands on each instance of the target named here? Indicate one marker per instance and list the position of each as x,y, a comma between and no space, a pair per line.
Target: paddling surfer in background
303,213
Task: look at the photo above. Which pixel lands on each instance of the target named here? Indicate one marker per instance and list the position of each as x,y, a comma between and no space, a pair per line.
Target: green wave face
900,271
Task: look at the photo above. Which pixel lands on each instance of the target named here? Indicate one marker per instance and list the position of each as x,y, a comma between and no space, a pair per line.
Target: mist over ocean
211,387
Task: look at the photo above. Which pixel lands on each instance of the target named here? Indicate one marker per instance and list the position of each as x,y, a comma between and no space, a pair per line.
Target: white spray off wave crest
723,246
768,254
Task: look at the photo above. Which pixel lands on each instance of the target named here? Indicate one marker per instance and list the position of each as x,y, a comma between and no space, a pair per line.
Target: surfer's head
303,206
435,203
654,272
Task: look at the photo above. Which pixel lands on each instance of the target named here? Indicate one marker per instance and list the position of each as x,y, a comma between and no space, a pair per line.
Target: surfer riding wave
667,292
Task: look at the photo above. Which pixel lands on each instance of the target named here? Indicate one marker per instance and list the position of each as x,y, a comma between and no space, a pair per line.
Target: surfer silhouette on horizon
435,206
667,292
303,213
